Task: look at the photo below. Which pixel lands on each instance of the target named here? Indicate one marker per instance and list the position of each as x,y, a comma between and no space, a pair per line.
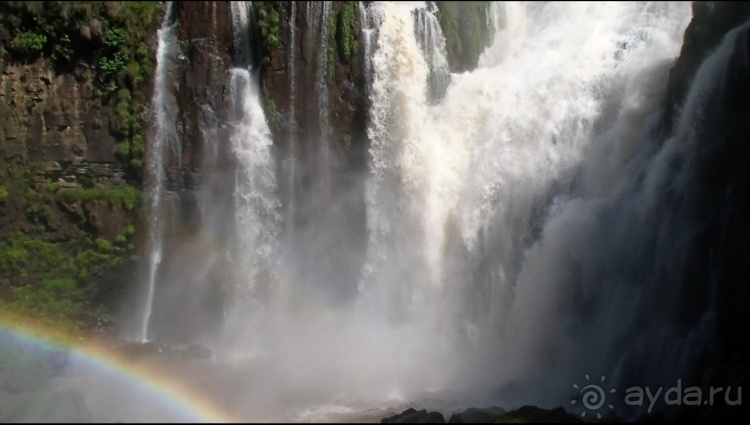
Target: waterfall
256,221
310,10
368,29
432,43
291,65
255,199
241,27
324,64
398,96
163,137
292,146
527,222
479,189
255,185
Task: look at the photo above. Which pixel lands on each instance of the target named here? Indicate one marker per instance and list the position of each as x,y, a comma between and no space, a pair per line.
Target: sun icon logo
593,397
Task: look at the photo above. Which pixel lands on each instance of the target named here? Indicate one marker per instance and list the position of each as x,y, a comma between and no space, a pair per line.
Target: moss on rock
466,32
69,207
110,40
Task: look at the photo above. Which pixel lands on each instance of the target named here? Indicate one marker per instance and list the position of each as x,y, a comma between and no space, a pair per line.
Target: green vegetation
464,26
125,61
60,249
128,196
129,113
57,297
54,260
331,53
125,66
108,39
127,232
347,25
271,108
63,49
342,41
268,17
58,280
42,277
111,66
27,44
115,37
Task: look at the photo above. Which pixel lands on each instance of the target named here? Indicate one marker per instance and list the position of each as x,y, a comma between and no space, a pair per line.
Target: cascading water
398,96
324,75
164,137
432,43
241,11
255,186
522,218
291,162
367,31
256,218
470,191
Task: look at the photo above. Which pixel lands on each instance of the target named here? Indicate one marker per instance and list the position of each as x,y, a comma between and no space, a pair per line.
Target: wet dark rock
473,415
346,93
205,33
711,21
412,416
494,414
199,98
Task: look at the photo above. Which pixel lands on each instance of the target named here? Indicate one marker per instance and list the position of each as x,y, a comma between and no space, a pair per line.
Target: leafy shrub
115,37
28,43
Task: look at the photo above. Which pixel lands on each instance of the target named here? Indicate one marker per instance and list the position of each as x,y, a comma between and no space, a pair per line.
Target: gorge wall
725,242
73,78
309,58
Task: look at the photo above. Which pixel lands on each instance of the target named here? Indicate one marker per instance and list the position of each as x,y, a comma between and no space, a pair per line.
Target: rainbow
91,355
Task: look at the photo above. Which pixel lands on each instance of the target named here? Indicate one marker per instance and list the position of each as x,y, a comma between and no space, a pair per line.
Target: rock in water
411,416
473,415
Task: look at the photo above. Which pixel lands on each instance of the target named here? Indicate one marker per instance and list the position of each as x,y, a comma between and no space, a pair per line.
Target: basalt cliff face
711,22
285,50
74,83
727,239
309,61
